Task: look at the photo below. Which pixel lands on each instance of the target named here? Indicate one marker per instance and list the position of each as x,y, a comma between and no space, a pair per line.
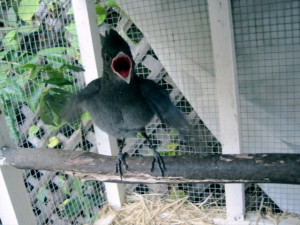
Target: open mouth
122,66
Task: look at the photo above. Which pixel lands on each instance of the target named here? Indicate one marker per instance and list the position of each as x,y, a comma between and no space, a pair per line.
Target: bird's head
117,58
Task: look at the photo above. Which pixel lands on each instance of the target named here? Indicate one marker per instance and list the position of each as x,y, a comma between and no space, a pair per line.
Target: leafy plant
55,91
39,76
53,141
81,202
48,91
18,86
33,130
42,193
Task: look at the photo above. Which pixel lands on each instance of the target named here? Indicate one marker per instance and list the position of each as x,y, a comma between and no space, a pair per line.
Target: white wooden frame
224,58
227,92
90,50
15,207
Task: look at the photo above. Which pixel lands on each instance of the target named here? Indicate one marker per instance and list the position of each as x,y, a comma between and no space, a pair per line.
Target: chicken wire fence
178,55
267,41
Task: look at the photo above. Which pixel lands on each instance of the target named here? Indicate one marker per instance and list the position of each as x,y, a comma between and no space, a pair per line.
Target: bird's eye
106,57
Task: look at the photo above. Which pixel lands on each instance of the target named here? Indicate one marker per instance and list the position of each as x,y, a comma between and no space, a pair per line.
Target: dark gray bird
122,104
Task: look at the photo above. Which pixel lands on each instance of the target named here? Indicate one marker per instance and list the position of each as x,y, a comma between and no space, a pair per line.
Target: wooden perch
258,168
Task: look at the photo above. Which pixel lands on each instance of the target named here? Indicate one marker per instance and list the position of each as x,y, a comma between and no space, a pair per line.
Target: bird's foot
161,164
121,160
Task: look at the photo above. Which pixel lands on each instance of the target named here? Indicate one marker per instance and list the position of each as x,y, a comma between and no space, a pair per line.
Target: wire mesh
172,46
36,34
45,34
267,40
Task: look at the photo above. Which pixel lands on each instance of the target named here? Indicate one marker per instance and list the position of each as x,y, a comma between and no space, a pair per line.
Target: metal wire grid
38,34
186,55
154,64
267,40
258,200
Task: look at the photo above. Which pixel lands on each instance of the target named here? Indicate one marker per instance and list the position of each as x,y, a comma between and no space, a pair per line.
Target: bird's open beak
122,66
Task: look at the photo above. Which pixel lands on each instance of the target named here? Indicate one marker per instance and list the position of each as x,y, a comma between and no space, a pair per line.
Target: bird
121,104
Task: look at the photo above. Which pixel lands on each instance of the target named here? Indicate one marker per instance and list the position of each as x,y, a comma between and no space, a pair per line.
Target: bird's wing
89,91
73,109
160,102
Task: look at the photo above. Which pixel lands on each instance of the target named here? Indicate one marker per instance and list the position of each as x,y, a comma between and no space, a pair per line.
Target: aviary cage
228,65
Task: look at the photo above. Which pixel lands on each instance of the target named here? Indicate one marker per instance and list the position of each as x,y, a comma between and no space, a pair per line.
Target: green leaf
177,194
28,66
139,135
10,119
111,3
59,92
5,67
74,42
33,130
29,59
86,205
12,90
11,123
86,116
35,71
5,29
50,106
72,68
94,217
71,207
34,95
11,18
56,60
63,185
71,35
57,51
3,53
72,52
174,132
70,11
27,29
53,141
71,28
58,81
12,55
55,74
27,9
15,5
46,113
171,148
9,40
77,186
41,194
101,14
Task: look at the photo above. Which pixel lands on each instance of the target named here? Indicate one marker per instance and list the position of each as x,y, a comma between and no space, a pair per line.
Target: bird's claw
121,160
160,161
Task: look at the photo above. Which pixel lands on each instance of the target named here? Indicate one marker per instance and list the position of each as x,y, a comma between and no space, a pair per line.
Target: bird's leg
121,159
157,156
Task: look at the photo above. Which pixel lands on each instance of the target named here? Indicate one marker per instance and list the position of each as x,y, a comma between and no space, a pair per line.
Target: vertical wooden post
90,50
227,93
15,207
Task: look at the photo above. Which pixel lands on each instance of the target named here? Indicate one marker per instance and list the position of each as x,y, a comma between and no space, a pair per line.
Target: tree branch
255,168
